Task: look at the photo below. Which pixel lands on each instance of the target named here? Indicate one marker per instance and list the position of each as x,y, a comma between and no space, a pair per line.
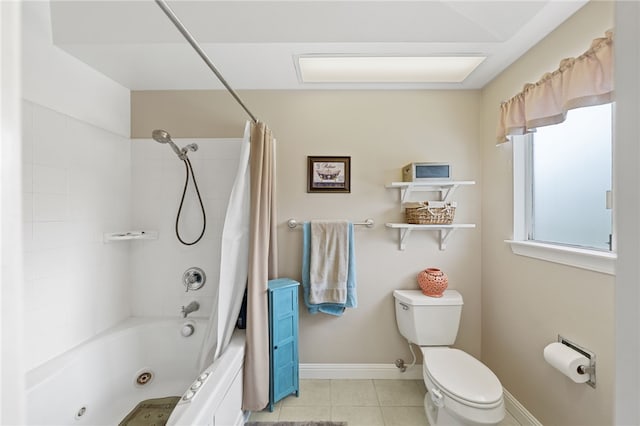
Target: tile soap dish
130,235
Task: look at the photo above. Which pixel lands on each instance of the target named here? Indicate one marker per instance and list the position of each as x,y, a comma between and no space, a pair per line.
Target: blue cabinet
283,339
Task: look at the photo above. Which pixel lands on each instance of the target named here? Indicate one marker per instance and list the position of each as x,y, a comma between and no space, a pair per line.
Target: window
562,190
571,180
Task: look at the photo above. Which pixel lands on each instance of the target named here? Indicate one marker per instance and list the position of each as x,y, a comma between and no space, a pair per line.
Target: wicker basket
430,213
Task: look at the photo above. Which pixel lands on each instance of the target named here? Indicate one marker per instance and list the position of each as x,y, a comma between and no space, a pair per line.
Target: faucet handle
193,278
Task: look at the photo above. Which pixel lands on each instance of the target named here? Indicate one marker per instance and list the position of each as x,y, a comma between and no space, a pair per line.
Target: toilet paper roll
566,360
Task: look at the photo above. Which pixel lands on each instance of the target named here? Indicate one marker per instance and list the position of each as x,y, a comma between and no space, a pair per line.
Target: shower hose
189,173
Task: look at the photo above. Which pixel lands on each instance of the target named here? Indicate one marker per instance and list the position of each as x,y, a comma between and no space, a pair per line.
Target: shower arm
192,41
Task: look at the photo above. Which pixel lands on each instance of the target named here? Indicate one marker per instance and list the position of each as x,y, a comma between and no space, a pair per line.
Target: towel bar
292,223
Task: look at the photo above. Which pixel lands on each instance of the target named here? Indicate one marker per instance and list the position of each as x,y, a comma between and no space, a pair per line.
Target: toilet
460,389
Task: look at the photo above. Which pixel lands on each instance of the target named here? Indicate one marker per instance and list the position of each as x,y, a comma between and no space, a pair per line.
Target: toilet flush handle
437,398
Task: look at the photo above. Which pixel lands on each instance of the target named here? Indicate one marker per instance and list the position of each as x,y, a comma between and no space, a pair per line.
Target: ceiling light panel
386,69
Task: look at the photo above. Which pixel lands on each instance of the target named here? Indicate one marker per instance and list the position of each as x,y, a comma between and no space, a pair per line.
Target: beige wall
626,179
526,302
381,131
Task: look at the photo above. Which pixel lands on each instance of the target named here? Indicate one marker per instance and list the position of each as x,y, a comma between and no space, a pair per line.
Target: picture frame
328,174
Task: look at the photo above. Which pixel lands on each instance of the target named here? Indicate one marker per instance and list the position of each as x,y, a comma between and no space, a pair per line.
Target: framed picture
329,174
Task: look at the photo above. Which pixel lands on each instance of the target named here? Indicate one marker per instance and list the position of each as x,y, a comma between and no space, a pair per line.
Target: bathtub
102,380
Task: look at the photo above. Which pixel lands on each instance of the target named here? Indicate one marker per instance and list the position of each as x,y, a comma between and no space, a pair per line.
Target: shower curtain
234,259
248,259
262,266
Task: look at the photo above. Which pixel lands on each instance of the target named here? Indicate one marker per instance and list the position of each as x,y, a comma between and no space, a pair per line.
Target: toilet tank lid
417,298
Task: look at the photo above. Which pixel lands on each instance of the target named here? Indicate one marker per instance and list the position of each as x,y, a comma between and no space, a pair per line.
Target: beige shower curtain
263,266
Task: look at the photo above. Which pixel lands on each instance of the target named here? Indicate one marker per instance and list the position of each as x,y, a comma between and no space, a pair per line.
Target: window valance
579,82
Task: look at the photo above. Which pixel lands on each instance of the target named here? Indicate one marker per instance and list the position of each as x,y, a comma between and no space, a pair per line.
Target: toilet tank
428,321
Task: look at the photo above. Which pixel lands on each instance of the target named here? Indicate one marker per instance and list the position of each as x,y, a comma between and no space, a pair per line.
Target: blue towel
336,309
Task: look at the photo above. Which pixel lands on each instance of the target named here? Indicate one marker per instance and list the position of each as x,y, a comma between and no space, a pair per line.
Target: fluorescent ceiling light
386,69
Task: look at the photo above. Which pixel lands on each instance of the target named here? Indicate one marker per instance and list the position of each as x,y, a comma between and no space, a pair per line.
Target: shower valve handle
193,279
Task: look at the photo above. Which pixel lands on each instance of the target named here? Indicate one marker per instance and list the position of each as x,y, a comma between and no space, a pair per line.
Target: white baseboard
390,371
517,410
359,371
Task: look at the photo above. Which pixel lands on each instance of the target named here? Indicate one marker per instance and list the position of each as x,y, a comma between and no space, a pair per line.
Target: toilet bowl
460,389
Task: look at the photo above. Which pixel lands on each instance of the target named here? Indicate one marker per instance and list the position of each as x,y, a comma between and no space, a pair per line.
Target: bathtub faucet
191,307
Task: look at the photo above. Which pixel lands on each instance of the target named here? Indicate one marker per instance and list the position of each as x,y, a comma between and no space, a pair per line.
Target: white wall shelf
130,235
445,190
444,230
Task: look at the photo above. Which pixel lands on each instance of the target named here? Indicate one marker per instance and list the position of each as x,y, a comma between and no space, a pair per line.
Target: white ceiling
254,43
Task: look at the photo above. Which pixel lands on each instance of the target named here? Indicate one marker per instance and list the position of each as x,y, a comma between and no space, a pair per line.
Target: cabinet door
285,342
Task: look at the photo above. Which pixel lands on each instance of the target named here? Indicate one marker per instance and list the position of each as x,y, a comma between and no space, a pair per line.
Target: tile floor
358,402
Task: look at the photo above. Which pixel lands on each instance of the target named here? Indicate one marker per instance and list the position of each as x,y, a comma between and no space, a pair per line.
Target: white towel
329,261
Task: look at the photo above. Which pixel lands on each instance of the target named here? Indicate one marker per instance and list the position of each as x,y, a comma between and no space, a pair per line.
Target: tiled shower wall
158,178
79,182
76,185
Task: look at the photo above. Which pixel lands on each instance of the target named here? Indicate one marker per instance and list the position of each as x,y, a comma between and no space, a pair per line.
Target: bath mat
151,412
311,423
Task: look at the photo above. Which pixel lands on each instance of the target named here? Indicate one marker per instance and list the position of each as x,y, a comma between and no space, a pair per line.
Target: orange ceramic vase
433,282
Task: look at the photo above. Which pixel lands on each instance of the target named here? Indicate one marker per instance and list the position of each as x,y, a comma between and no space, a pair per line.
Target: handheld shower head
162,136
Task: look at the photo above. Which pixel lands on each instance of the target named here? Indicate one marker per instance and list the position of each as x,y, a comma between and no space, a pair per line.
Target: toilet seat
462,377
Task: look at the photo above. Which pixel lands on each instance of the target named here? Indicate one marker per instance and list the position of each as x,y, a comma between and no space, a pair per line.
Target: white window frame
579,257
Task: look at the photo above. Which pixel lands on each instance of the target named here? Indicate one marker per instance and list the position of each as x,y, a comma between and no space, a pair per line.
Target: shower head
162,136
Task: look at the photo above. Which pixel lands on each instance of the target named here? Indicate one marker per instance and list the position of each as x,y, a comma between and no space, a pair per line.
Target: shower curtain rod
192,41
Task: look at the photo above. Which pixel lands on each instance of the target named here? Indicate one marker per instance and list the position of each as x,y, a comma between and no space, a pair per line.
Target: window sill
592,260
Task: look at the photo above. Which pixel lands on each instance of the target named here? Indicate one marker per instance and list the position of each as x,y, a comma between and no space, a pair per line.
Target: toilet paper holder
583,369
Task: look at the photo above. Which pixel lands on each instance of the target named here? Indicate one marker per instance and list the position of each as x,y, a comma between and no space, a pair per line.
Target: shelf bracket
404,234
404,195
444,236
448,192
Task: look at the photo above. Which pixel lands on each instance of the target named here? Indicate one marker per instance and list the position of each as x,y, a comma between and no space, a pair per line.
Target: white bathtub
96,382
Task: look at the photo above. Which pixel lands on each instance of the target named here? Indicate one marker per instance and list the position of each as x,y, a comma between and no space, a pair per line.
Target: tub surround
75,184
157,180
75,187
